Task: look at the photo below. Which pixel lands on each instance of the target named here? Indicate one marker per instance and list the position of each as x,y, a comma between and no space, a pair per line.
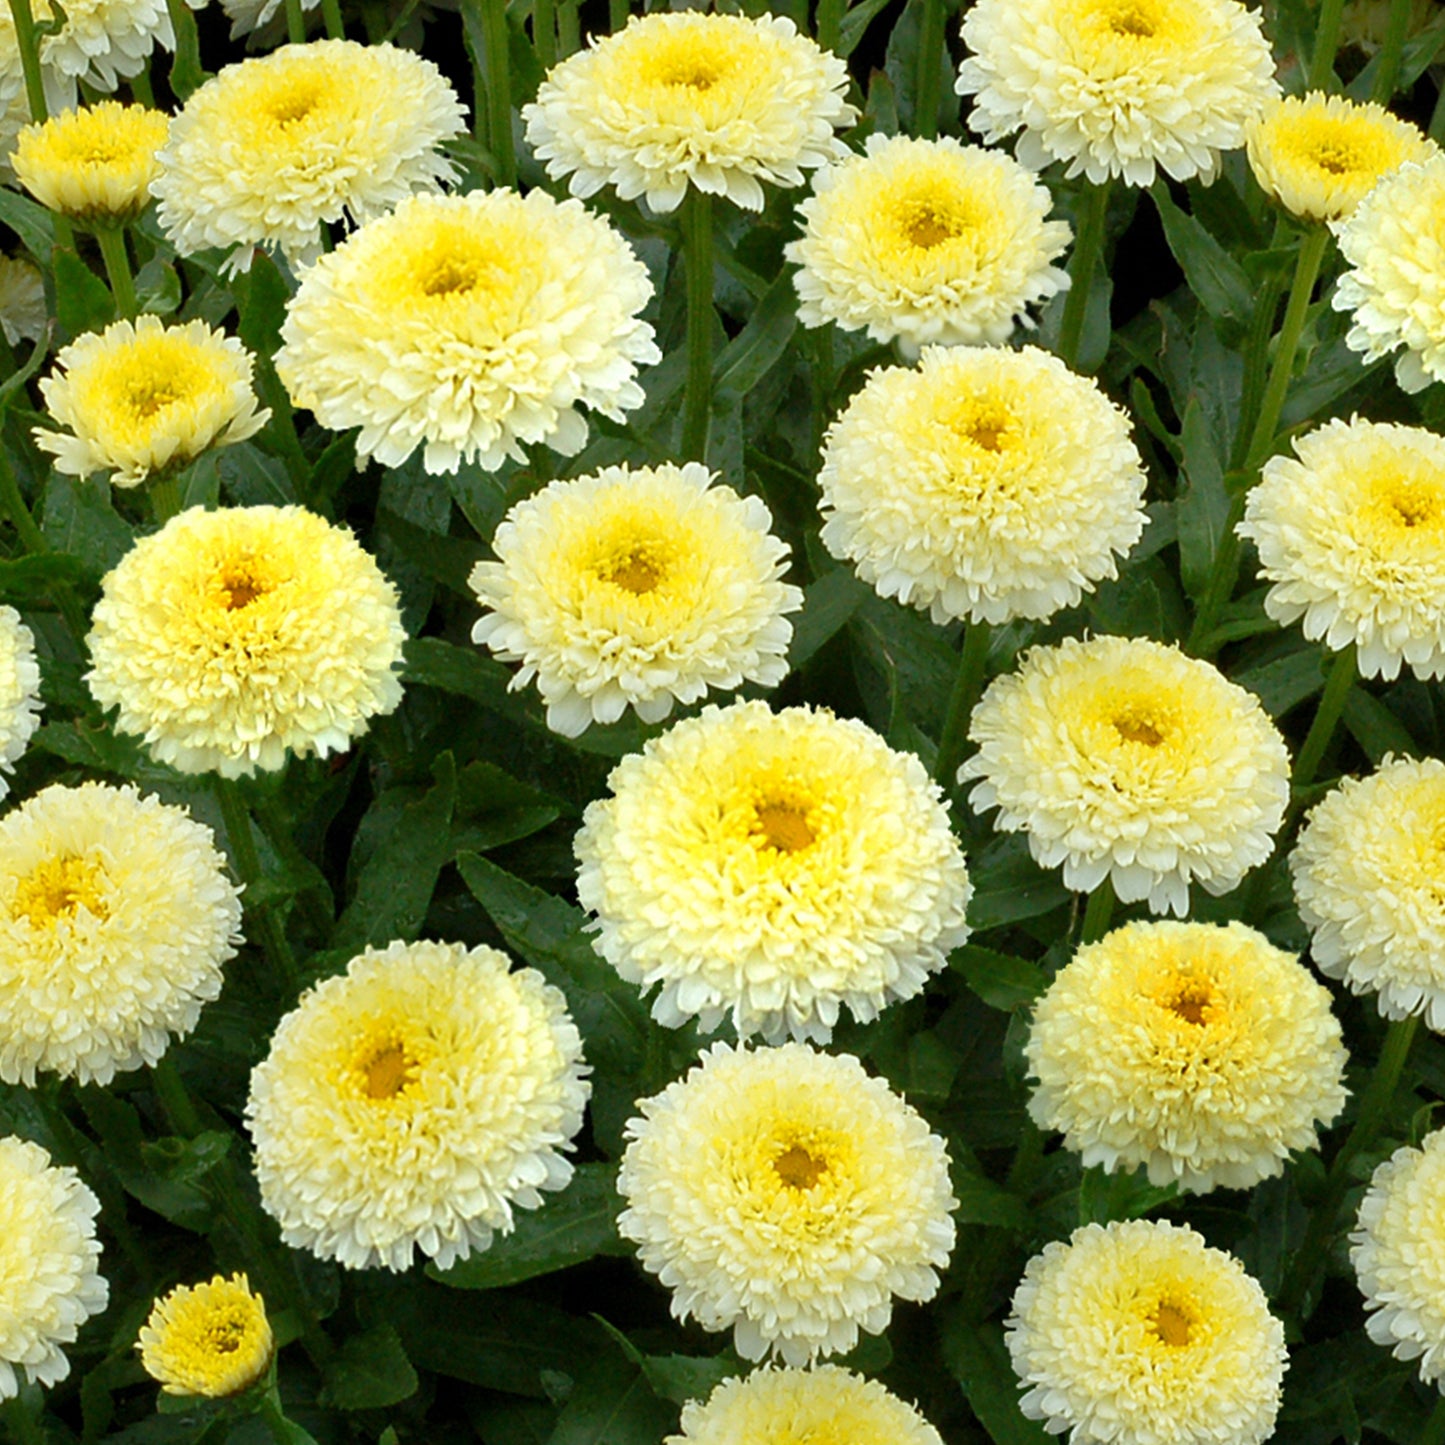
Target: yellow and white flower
94,165
19,691
207,1339
100,42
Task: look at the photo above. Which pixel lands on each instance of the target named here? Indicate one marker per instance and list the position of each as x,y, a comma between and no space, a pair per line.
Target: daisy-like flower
50,1280
413,1103
786,1195
987,484
720,102
141,397
247,16
116,915
274,148
101,42
1398,1250
207,1339
1317,155
1352,537
1138,1333
1117,87
1367,872
1396,288
229,639
19,691
1202,1052
94,165
469,325
1126,759
635,587
772,867
824,1403
926,241
22,300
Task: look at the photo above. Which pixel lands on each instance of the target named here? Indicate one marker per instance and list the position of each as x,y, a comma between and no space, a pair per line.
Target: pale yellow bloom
101,42
19,691
94,165
207,1339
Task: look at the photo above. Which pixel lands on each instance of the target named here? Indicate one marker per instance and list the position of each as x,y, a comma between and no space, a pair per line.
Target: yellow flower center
294,102
386,1070
784,827
984,422
637,568
1191,1000
241,591
59,888
688,60
1416,506
1132,17
798,1169
932,216
1171,1322
1136,727
448,275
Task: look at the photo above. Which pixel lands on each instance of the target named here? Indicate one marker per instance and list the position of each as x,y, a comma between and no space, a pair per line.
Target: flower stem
29,44
544,32
1099,912
275,1419
295,23
830,23
1327,717
331,18
1222,577
1087,246
165,496
499,89
1327,42
1391,51
697,261
967,685
618,12
1256,360
33,541
569,28
175,1098
117,269
932,50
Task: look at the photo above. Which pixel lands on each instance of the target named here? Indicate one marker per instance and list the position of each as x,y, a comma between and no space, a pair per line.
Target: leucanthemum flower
1318,155
1396,288
116,916
141,397
1138,1333
1367,872
1352,537
23,313
772,868
635,587
274,148
229,639
986,484
50,1280
1398,1251
414,1103
719,102
19,691
468,325
825,1404
1202,1052
208,1339
926,241
1117,87
1126,759
101,42
94,165
247,16
786,1195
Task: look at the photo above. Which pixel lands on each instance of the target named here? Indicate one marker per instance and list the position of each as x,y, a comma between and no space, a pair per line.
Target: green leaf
612,1404
759,346
91,744
465,672
448,560
1010,887
1214,276
828,604
82,300
981,1201
79,519
855,24
1285,682
1202,512
38,578
1001,980
1377,730
369,1371
253,479
977,1358
30,221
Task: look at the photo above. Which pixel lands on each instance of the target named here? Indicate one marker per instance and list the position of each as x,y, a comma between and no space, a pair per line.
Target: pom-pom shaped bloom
720,102
94,164
22,300
986,484
1396,288
635,587
824,1404
1117,87
1352,535
19,691
926,241
1202,1052
1367,872
413,1103
115,918
275,147
470,324
140,397
50,1280
230,638
207,1339
786,1194
1138,1333
1318,155
773,866
101,42
1124,758
1398,1250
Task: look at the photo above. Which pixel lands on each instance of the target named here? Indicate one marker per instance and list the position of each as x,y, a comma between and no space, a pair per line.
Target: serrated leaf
464,671
369,1372
981,1201
78,519
38,578
855,24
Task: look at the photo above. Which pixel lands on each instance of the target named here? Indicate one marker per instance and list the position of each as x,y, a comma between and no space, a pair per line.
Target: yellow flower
786,1195
141,397
207,1339
19,691
274,148
1139,1333
1352,536
1202,1052
826,1405
926,241
50,1280
1367,872
94,165
470,324
772,867
1125,759
987,484
229,639
632,587
22,300
1117,87
721,102
413,1103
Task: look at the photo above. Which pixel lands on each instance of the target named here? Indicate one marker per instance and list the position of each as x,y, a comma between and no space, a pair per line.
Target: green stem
967,686
117,269
29,45
1256,361
295,23
569,28
1222,577
141,91
1327,41
275,1420
1099,912
1391,51
165,497
499,89
331,18
1087,246
175,1098
931,52
544,32
821,378
697,261
1437,118
1434,1431
830,23
618,14
1327,717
